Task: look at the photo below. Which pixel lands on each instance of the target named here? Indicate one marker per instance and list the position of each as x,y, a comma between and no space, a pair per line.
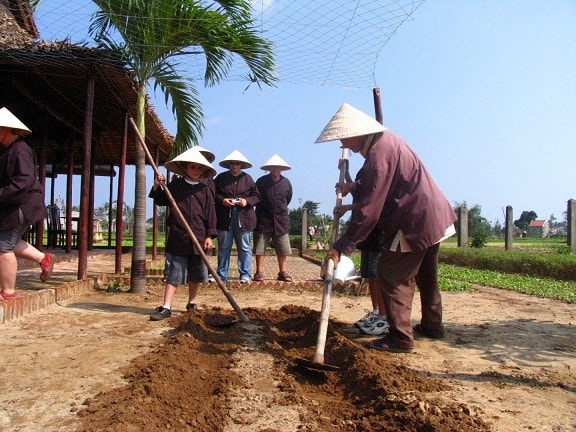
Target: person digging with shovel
400,198
195,200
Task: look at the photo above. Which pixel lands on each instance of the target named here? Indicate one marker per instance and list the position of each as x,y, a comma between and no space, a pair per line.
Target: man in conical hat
195,200
398,196
236,196
21,203
272,217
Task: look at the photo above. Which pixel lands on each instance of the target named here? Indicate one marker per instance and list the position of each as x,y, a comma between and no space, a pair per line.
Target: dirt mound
212,374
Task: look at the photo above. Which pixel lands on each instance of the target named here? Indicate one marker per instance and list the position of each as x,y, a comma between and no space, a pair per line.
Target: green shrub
558,266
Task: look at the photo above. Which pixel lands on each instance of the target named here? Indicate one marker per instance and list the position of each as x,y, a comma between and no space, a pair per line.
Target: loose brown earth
96,363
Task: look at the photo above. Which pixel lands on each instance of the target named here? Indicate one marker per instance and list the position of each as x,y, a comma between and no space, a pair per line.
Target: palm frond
186,106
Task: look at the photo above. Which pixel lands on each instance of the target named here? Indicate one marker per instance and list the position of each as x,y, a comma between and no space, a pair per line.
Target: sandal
5,296
418,329
283,276
258,277
387,344
47,266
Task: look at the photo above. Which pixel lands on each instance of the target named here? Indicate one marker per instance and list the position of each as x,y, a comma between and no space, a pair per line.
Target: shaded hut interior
77,101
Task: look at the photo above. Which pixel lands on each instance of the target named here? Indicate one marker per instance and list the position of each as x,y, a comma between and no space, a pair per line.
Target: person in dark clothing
401,199
272,217
195,200
21,204
236,196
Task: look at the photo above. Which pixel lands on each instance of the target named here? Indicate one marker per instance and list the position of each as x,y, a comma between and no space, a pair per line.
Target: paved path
34,294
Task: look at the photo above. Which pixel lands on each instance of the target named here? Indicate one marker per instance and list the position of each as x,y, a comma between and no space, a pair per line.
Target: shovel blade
309,364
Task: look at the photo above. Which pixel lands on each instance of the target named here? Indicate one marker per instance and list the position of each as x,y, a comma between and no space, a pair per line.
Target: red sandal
6,296
47,266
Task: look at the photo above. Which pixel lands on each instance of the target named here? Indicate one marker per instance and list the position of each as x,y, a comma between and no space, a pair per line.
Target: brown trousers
399,273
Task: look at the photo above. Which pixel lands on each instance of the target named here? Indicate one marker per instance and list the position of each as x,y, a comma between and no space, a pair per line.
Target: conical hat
349,122
207,154
9,120
177,165
275,161
235,156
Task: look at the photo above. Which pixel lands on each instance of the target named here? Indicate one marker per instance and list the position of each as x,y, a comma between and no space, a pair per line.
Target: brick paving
34,294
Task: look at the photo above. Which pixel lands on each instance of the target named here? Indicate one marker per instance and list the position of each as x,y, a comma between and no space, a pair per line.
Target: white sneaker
376,327
371,315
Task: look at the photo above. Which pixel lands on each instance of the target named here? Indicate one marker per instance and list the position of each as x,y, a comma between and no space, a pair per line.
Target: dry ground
97,363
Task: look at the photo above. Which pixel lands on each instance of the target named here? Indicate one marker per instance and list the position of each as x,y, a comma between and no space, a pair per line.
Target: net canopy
320,42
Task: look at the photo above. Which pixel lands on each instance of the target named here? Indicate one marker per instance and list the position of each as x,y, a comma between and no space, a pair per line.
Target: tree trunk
138,269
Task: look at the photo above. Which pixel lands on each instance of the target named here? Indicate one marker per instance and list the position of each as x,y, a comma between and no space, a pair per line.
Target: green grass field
518,269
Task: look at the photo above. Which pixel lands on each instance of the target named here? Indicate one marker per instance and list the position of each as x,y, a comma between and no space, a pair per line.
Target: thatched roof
46,83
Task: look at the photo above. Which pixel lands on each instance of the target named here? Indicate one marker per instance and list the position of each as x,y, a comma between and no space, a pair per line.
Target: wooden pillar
69,180
91,202
571,216
509,229
42,176
120,197
378,105
85,181
463,227
304,241
110,198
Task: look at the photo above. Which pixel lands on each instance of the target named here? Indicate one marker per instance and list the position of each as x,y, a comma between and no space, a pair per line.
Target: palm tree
153,35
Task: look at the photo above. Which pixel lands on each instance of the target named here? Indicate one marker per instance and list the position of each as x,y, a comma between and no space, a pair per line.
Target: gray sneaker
376,327
160,314
367,319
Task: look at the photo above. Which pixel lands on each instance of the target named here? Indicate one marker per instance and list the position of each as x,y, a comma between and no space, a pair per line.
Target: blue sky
483,91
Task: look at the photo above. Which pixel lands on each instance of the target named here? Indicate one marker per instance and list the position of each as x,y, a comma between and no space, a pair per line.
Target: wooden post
509,229
69,180
120,197
571,216
85,181
304,241
463,227
378,105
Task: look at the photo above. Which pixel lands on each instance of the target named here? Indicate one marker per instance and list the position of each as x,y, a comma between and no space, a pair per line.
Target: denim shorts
181,269
369,264
11,236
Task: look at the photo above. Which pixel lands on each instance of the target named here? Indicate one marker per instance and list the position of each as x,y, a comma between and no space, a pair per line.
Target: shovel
174,207
317,361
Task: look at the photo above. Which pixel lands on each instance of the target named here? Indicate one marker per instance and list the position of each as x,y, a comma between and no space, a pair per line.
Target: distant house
538,228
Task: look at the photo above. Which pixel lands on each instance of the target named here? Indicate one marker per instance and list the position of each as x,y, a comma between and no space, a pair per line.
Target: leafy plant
541,287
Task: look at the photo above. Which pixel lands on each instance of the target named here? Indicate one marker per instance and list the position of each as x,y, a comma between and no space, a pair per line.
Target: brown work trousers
399,273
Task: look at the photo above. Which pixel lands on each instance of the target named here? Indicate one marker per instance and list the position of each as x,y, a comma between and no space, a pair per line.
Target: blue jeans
242,240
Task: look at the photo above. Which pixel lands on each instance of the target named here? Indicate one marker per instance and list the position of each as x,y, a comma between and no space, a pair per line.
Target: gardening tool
174,207
317,361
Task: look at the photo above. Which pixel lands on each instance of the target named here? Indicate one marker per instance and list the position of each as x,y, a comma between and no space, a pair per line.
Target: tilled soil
96,363
234,376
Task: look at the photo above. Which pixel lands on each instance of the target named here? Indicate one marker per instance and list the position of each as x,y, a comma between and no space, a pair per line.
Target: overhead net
321,42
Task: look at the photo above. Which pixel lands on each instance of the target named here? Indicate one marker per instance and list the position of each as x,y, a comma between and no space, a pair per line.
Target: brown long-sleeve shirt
398,195
19,185
196,203
272,210
241,186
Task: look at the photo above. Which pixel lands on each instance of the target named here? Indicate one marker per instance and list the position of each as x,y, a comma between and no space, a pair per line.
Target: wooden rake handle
174,207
